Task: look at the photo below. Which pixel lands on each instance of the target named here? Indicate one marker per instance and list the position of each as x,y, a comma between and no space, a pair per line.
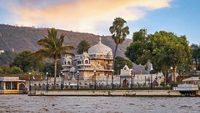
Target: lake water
72,104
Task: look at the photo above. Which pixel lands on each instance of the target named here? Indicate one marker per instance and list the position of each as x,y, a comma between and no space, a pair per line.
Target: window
79,62
14,85
69,62
8,85
1,85
86,62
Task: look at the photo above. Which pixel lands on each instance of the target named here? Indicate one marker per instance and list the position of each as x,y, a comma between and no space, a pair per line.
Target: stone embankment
153,93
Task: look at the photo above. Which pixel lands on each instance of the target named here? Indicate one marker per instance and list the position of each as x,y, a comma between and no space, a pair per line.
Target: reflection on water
72,104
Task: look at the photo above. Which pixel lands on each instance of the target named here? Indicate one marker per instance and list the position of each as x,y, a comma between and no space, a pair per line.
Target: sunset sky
96,16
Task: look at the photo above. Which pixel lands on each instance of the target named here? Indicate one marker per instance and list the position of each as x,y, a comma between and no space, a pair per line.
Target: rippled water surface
72,104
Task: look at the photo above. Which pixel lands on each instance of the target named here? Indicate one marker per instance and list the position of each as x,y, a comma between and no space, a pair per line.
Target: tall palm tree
53,47
119,32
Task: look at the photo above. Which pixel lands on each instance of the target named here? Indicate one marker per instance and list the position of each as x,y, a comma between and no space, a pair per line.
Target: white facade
140,79
94,64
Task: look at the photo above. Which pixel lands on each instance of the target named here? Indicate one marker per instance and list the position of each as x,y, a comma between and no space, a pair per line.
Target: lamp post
152,72
95,79
95,85
118,70
107,80
151,81
29,81
131,79
112,78
77,74
47,87
62,80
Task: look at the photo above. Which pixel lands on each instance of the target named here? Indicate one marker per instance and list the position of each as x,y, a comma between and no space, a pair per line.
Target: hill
15,38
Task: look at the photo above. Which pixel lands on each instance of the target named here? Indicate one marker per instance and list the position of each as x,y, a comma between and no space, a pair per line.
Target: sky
96,16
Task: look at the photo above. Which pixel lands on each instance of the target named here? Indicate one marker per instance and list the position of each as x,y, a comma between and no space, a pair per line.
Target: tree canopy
120,62
163,49
53,47
83,46
119,31
26,61
196,55
7,57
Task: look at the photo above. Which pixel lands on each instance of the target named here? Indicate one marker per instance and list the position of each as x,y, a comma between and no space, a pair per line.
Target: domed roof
100,49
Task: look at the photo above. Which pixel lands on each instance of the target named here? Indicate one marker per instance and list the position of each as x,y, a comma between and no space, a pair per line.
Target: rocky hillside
25,38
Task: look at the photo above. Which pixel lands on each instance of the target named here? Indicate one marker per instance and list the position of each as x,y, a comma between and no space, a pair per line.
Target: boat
189,86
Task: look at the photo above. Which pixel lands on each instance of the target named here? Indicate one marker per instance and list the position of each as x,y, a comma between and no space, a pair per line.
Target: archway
125,83
22,86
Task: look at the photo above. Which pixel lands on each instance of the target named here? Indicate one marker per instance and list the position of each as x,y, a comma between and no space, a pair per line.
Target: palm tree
119,32
53,48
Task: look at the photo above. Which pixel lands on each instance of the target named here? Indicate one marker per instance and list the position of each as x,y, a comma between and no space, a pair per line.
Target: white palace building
94,65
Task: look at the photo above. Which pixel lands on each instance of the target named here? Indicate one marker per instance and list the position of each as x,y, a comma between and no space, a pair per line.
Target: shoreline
125,93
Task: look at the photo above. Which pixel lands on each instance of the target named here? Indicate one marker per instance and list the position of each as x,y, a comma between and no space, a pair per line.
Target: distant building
139,75
11,85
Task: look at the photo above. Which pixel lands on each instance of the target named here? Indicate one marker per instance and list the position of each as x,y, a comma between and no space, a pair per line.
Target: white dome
100,49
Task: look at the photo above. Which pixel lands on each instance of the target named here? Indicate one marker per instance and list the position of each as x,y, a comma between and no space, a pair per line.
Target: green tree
53,47
49,67
119,32
163,49
25,60
15,70
5,70
196,55
136,51
120,62
7,57
83,46
1,71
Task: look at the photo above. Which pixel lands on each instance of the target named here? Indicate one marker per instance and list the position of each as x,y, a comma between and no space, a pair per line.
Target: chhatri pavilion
97,62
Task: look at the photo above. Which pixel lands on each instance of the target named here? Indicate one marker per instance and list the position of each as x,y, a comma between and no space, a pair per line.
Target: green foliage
7,57
49,67
120,62
135,51
83,46
15,70
1,71
119,32
196,55
26,61
163,49
5,69
53,47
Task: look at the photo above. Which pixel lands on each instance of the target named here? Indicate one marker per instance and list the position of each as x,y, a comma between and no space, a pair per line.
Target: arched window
68,62
86,62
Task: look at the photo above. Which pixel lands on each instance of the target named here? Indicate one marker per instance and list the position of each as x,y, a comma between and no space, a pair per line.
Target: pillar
10,85
4,85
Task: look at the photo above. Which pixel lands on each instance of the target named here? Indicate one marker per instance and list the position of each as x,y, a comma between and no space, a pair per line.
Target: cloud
81,15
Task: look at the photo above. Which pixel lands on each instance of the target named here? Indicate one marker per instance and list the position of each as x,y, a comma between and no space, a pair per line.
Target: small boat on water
12,85
189,86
